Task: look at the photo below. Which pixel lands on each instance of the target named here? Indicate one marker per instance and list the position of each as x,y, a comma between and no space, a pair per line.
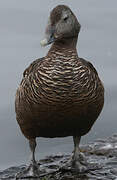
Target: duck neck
66,45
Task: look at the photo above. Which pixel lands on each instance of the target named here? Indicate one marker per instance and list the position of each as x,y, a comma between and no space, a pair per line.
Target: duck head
62,26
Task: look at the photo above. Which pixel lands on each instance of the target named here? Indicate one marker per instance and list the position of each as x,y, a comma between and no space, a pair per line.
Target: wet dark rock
101,157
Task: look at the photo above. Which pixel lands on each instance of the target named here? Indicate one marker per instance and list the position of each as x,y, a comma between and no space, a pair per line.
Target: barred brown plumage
60,94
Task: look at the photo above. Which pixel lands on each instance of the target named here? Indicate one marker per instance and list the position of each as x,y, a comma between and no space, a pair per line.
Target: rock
101,157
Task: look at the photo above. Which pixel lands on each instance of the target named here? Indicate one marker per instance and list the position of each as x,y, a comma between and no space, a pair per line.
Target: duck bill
47,41
49,36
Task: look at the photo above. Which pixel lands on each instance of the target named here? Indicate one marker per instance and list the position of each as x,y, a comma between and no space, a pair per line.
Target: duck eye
65,18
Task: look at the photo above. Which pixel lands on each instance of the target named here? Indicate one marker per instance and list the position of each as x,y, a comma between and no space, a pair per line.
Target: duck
60,94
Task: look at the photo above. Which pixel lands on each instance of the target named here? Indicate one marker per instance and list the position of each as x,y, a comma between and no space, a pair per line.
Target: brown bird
60,94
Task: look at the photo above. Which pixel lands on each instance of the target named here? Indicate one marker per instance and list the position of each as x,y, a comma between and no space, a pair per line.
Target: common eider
60,94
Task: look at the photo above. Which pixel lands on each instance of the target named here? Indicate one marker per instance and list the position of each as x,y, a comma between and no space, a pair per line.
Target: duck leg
33,169
78,160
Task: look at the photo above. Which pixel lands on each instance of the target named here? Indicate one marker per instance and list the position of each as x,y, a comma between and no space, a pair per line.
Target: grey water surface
22,26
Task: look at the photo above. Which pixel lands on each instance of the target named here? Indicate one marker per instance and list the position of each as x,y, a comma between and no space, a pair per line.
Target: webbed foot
32,171
79,163
76,163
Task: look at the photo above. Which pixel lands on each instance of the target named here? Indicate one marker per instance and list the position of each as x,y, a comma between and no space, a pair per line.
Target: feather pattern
59,87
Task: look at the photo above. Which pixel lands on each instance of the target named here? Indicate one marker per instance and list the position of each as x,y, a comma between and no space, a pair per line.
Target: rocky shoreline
101,156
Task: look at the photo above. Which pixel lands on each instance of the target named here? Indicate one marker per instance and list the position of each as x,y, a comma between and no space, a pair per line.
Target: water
101,158
22,26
